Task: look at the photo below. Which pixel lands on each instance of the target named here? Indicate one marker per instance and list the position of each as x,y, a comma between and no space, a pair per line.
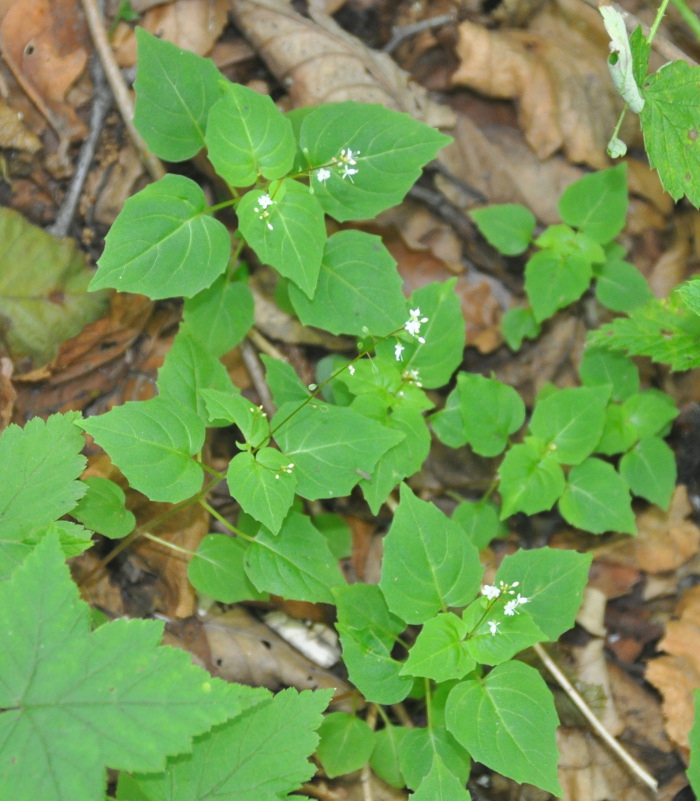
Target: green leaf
385,756
670,126
597,499
404,459
440,785
508,227
650,411
39,468
346,743
387,148
518,324
618,433
491,412
143,702
217,570
689,293
337,533
174,91
441,354
553,581
570,421
508,722
284,383
650,470
331,447
152,443
640,48
597,203
600,367
428,563
226,407
438,652
43,291
248,136
563,240
102,509
188,369
220,316
621,287
358,290
289,234
419,748
163,244
263,485
480,522
693,772
368,631
553,281
233,762
514,633
531,479
297,564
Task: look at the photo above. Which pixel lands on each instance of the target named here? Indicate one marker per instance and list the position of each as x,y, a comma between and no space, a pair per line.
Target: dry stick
119,90
402,32
252,364
596,725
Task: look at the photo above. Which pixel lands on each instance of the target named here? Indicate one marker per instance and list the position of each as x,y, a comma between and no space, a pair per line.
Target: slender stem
689,16
596,725
167,544
657,21
224,522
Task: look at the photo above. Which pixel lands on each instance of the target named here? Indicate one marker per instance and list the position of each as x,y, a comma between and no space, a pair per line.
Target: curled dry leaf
556,70
677,674
318,62
14,133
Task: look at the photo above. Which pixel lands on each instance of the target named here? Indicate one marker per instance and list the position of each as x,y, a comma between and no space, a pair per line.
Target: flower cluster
345,164
492,592
413,324
412,377
286,468
264,201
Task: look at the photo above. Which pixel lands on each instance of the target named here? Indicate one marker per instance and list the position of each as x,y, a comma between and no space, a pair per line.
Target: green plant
363,424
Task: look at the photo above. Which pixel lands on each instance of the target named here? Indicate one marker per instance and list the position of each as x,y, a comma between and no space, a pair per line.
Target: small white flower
412,377
412,327
348,172
493,625
398,350
490,591
347,156
413,324
351,369
521,600
323,174
511,607
265,201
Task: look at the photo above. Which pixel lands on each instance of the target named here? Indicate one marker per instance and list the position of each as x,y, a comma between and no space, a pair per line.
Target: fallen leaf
14,133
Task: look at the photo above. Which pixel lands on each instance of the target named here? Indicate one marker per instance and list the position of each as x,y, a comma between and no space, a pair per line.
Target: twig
252,364
119,90
401,32
596,725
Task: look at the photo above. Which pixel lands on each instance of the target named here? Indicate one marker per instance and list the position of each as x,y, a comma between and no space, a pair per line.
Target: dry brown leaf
318,62
557,71
7,393
666,540
190,24
14,133
45,44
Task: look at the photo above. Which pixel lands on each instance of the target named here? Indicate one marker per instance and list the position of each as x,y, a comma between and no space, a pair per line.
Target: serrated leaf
508,721
163,243
296,564
689,293
480,522
621,287
143,702
441,785
650,470
599,367
388,150
508,227
43,291
514,633
152,442
221,315
346,743
263,485
39,468
531,479
553,581
571,421
174,91
102,508
358,290
247,137
597,203
428,563
368,631
597,499
418,749
331,447
188,369
670,126
232,762
439,652
553,281
217,570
